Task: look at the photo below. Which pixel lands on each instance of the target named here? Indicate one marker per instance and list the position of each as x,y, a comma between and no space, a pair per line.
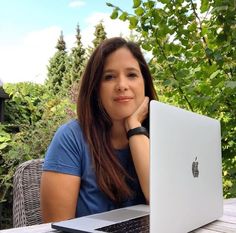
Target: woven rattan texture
26,193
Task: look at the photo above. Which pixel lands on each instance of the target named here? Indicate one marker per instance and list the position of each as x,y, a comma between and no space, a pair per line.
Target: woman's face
122,85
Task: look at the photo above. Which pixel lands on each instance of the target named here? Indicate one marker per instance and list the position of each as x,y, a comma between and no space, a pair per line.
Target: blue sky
29,30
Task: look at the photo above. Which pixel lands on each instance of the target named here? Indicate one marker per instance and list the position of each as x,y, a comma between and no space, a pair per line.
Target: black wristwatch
137,131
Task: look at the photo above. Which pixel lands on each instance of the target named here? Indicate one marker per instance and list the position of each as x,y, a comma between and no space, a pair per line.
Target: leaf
3,145
164,1
114,14
147,46
218,56
149,4
136,3
139,11
220,8
123,16
204,30
133,22
213,75
182,73
5,138
166,82
204,5
109,4
196,48
218,81
171,59
192,26
209,52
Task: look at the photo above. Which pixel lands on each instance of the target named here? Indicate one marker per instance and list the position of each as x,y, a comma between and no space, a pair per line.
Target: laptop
185,178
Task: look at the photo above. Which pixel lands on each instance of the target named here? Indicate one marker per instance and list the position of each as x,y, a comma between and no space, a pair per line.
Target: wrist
131,125
137,131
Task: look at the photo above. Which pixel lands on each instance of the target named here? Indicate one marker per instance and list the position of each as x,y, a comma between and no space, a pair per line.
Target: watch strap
137,131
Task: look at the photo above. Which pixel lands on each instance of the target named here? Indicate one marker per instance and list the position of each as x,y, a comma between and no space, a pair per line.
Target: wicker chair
26,193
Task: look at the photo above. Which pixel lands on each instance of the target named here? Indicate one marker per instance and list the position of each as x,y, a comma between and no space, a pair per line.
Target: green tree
57,67
23,106
100,35
76,61
193,61
33,114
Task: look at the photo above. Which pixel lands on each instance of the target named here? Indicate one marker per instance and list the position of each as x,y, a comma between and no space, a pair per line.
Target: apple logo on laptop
195,170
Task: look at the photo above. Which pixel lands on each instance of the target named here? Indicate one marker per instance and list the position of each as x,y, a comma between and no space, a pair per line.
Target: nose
122,84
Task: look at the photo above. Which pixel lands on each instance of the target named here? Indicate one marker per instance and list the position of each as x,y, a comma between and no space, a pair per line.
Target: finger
142,111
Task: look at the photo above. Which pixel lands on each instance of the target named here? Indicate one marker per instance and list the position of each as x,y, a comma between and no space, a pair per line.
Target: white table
226,224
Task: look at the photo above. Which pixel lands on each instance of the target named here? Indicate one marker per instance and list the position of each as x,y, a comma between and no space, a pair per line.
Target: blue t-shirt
68,153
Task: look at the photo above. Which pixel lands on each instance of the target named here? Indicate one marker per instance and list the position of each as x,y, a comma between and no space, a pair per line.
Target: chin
122,116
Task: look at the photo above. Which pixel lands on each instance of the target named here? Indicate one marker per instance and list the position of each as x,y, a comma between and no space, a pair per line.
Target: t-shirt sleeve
64,154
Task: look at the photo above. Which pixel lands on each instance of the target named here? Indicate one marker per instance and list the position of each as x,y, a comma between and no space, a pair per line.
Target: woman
101,161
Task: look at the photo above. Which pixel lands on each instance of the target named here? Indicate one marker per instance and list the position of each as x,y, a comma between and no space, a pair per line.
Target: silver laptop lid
185,167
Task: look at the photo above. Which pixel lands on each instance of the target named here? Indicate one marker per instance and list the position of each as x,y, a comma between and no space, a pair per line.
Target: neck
118,135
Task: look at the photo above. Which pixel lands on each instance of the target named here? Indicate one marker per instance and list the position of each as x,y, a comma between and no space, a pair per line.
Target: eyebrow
128,69
133,69
108,71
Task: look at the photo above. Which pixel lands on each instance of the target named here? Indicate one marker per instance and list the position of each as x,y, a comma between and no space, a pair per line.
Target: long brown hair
96,123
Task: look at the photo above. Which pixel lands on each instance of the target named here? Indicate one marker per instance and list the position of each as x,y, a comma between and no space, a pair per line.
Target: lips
123,98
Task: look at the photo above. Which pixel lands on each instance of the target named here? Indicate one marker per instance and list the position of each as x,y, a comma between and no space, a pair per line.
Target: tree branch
200,27
173,73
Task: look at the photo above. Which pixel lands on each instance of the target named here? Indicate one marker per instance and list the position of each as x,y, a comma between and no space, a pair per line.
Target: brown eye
132,75
108,77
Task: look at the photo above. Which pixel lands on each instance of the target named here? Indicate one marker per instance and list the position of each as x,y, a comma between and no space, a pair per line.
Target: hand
138,116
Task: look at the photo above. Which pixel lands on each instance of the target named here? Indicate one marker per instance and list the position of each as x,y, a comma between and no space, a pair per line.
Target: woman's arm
59,196
139,147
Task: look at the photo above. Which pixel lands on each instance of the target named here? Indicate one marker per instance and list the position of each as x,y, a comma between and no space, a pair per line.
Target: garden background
191,51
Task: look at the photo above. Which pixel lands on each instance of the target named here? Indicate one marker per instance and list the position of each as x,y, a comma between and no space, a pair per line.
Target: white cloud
28,60
77,3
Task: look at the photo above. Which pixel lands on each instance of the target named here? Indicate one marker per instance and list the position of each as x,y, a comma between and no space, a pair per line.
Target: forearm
139,146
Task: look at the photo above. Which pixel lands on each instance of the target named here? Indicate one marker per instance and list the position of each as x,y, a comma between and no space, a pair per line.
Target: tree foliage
23,106
76,61
193,61
100,34
57,67
32,117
